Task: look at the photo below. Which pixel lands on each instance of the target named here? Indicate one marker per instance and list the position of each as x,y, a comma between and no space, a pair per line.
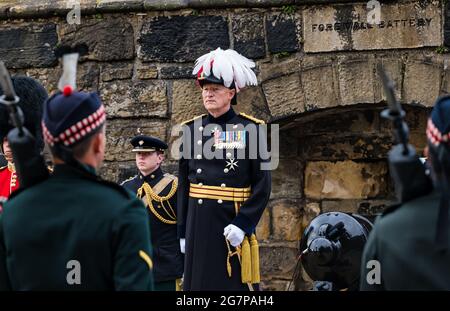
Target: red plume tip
67,90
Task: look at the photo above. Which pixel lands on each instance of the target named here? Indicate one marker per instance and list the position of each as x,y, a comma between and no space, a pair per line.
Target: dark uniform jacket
403,242
202,221
167,257
74,216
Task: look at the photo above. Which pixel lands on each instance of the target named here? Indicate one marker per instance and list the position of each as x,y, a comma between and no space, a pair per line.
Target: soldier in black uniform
223,189
75,231
158,192
408,249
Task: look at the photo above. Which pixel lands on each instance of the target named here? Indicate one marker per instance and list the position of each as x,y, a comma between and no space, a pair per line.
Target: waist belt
219,193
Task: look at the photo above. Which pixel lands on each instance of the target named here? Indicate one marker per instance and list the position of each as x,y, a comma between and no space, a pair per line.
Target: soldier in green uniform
408,248
75,231
158,192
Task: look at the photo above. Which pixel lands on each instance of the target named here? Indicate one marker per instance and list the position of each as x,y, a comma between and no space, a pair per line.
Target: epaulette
194,118
246,116
127,180
3,167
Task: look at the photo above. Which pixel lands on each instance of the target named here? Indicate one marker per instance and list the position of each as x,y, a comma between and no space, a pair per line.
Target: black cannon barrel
332,246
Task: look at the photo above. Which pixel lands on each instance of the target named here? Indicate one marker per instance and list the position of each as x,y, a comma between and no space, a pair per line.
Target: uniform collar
67,170
155,175
227,116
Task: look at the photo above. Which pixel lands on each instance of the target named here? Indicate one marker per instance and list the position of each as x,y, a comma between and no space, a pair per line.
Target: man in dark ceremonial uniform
158,192
75,231
223,189
409,248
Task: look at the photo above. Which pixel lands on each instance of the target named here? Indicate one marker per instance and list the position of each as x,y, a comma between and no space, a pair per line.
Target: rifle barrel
6,84
388,86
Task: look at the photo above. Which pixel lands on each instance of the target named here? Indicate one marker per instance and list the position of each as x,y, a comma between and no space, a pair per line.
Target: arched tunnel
330,160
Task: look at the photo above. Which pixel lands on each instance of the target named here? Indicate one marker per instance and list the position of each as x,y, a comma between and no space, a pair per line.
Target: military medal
229,139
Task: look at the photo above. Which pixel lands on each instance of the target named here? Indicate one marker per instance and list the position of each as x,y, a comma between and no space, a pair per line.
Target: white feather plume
69,75
199,63
228,65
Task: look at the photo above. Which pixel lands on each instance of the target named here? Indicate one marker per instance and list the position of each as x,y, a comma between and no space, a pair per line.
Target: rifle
406,169
29,162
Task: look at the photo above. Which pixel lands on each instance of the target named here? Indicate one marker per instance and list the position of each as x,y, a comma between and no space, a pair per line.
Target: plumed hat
227,68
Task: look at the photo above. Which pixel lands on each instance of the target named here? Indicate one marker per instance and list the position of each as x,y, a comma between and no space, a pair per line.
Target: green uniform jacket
403,242
75,228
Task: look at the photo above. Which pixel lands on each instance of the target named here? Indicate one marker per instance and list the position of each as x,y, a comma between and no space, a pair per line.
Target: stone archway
330,160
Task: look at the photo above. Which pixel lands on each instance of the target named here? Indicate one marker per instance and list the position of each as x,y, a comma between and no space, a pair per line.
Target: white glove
183,245
234,234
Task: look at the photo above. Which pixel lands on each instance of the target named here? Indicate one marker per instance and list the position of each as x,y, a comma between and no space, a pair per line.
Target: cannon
331,249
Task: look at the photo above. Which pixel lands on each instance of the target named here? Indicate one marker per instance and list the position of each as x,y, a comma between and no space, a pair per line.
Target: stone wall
318,79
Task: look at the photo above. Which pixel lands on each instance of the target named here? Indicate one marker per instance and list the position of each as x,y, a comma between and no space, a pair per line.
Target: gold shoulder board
246,116
194,118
